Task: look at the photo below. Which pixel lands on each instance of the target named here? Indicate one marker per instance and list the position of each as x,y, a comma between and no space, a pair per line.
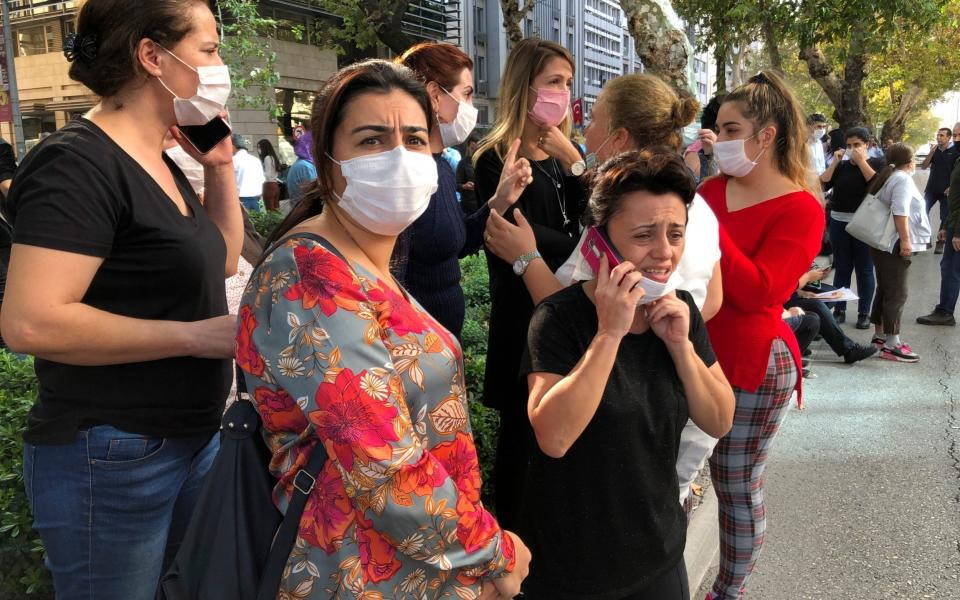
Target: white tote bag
873,224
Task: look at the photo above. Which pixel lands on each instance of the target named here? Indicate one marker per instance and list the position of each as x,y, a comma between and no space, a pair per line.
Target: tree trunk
720,57
772,44
661,44
513,15
386,17
895,126
739,59
853,106
845,94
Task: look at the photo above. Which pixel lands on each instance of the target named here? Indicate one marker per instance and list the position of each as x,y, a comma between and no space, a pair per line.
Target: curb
703,540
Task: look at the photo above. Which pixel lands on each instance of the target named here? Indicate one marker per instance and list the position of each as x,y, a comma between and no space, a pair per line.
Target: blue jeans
112,508
251,203
944,204
849,253
949,275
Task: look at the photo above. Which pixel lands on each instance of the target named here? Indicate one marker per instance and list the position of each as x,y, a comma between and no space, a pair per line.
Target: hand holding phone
596,245
205,138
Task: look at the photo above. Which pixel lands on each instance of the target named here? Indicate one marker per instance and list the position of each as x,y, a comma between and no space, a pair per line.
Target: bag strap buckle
305,485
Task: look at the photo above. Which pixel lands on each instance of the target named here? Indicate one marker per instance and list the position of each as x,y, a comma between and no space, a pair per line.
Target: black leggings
672,585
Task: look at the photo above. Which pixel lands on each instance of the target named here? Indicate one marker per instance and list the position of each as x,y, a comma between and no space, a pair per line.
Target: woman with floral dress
336,353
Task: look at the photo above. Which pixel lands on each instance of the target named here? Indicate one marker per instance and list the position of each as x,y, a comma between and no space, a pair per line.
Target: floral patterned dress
333,356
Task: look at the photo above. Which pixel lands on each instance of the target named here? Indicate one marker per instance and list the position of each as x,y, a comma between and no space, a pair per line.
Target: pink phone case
595,244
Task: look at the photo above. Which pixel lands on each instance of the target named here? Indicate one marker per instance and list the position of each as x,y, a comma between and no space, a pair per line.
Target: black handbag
238,543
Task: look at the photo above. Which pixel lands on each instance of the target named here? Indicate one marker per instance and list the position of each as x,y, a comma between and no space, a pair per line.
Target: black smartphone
205,137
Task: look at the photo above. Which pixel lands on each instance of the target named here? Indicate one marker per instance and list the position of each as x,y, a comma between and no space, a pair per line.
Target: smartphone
596,245
205,137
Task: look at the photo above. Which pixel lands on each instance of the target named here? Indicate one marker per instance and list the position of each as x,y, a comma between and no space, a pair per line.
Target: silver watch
520,265
578,168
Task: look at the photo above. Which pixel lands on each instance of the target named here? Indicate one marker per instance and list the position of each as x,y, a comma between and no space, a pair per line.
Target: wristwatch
520,265
578,168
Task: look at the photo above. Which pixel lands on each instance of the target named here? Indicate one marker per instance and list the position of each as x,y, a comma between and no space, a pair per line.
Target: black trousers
804,328
891,289
829,329
672,585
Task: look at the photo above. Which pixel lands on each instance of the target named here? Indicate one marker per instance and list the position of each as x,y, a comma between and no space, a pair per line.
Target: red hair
436,61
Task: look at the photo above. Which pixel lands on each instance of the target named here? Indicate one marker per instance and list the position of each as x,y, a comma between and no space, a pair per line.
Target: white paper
837,295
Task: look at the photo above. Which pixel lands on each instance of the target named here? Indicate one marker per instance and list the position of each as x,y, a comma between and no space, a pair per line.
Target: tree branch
822,72
662,47
513,15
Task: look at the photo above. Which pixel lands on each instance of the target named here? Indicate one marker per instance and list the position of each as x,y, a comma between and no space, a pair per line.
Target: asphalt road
863,486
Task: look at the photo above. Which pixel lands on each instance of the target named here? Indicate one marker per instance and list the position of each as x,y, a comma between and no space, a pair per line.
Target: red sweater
764,250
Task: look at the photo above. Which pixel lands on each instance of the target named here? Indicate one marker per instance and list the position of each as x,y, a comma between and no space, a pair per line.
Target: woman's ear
768,136
148,54
434,91
620,141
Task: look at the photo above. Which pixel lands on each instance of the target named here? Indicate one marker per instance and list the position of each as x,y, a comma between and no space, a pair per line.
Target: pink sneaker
901,353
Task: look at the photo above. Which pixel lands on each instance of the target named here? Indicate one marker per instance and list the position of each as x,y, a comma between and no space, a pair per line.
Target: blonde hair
767,99
527,60
654,121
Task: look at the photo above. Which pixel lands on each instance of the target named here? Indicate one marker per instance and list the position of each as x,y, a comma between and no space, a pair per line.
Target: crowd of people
652,304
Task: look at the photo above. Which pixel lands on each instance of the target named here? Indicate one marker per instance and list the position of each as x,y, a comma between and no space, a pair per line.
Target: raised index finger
512,153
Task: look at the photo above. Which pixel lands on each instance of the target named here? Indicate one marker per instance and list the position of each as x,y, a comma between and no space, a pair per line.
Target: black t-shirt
849,186
79,192
941,165
604,521
510,303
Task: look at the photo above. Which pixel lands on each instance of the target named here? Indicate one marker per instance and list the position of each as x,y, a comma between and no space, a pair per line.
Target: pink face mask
550,107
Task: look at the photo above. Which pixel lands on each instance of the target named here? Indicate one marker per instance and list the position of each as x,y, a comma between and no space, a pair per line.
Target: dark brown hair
897,155
116,28
329,107
658,170
436,61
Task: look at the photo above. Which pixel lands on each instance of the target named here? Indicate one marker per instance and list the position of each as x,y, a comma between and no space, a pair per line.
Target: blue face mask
591,159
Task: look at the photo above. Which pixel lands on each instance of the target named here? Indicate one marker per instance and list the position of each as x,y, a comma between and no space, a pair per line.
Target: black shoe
807,352
937,317
805,362
863,322
939,248
859,352
839,315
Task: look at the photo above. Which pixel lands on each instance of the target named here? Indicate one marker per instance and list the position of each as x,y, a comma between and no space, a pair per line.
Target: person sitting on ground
804,326
611,384
894,187
831,332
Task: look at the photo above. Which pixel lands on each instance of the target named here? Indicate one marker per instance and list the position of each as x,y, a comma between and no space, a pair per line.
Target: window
479,20
38,39
483,115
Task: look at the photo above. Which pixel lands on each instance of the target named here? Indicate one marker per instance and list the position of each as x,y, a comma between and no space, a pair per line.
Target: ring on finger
488,237
540,141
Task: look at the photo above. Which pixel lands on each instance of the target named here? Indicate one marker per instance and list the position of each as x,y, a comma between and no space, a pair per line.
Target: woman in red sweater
770,231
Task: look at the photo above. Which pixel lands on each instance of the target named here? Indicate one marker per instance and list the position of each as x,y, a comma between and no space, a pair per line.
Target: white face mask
654,290
210,99
848,154
456,131
388,191
732,157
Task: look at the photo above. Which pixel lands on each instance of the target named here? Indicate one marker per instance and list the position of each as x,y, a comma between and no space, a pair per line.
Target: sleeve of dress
770,276
310,344
475,225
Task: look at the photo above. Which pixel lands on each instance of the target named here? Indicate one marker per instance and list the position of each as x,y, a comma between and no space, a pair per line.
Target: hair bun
684,109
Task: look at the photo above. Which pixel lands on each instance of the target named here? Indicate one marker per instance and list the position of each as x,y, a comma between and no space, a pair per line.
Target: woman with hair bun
116,285
771,225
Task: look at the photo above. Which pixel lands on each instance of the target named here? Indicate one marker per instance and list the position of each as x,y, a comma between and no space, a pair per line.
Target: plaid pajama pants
736,468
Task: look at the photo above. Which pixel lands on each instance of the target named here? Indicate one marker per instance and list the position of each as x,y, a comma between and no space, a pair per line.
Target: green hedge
21,553
266,221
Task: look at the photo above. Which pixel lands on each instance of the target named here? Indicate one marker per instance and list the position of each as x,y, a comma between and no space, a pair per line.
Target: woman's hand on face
508,586
553,142
708,138
514,178
509,241
616,296
220,155
214,338
669,318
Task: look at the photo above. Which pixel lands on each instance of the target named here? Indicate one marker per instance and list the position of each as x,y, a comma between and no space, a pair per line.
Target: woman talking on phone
612,378
770,231
116,285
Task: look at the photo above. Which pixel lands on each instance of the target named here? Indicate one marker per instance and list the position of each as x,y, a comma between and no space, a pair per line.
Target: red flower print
279,410
325,281
423,477
377,555
355,423
248,357
459,459
328,513
475,526
395,313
